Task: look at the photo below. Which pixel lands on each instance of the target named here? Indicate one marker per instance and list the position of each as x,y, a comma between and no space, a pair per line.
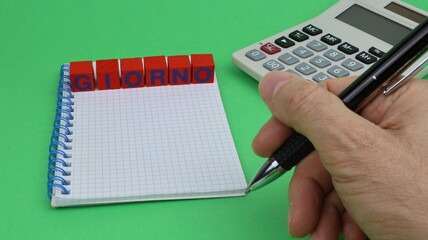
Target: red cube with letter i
107,72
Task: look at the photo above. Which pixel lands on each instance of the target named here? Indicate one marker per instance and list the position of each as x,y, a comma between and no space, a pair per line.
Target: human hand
368,174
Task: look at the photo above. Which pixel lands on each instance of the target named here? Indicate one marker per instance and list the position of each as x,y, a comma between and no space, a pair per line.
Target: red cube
156,71
82,76
179,70
202,68
132,72
107,72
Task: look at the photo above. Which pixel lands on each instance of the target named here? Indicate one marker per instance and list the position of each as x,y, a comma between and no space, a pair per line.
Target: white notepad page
151,143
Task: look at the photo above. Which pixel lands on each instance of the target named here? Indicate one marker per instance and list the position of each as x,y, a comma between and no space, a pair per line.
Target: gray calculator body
343,41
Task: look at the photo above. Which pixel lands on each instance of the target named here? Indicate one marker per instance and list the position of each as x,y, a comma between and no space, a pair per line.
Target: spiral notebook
141,144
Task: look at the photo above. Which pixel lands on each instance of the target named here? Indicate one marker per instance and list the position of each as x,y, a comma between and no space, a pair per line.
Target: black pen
372,82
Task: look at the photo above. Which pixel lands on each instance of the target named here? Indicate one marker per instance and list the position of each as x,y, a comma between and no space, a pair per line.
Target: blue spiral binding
68,106
59,156
59,127
53,161
58,120
54,145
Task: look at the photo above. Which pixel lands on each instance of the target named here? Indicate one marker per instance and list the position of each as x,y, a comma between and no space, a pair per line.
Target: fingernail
271,82
347,231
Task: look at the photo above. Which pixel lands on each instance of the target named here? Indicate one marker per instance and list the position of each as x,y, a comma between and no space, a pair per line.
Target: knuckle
324,84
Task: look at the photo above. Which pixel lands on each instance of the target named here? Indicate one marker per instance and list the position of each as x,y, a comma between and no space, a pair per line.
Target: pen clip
406,73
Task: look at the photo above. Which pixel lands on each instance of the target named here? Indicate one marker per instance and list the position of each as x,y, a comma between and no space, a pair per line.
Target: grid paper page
151,143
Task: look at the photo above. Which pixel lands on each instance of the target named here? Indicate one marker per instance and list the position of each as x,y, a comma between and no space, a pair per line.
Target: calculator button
269,48
312,30
303,52
366,58
319,77
320,62
330,39
334,55
305,69
298,36
338,71
284,42
288,59
293,72
348,48
316,45
376,52
255,55
352,65
273,65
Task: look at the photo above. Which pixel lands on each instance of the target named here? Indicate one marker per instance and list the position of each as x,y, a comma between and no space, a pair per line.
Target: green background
38,36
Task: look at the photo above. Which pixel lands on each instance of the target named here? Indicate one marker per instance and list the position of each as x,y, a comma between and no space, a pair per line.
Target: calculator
344,40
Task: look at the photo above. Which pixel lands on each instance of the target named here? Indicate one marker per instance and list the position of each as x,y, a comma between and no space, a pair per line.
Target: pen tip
247,190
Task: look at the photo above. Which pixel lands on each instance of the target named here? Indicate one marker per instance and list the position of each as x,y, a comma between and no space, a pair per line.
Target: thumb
318,114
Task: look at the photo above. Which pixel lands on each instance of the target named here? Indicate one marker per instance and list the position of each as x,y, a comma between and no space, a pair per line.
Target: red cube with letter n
179,70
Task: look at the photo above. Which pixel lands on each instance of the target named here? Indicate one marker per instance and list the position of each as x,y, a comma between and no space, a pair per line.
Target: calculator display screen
373,24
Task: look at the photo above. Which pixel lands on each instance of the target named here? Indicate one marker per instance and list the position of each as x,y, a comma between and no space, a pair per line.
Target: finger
374,112
350,229
300,104
333,85
273,134
330,219
308,187
336,85
314,112
270,137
